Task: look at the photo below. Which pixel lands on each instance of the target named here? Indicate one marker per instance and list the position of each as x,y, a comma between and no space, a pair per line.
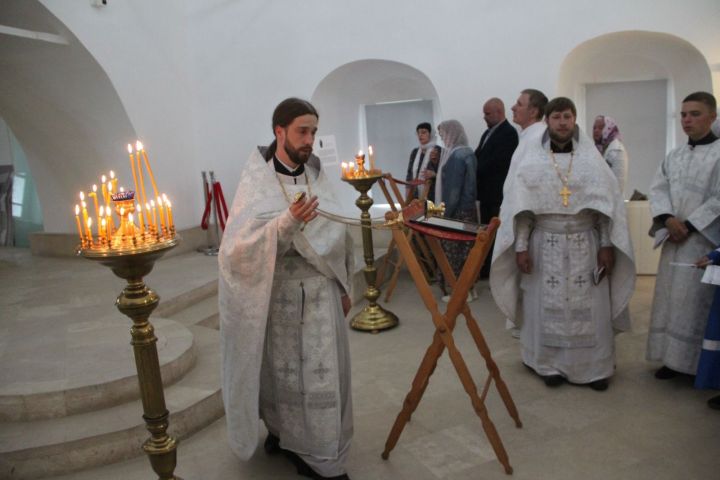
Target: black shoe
600,385
303,469
553,380
272,444
714,403
665,373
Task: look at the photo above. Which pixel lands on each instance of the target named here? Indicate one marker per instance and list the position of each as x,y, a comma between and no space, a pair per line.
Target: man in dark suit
493,154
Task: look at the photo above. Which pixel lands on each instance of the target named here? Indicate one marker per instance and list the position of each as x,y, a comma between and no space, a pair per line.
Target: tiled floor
641,428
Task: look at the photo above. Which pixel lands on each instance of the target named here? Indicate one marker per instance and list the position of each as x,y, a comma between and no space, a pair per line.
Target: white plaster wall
199,78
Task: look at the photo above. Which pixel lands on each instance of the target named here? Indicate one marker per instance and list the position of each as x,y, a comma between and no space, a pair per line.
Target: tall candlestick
132,167
139,146
77,220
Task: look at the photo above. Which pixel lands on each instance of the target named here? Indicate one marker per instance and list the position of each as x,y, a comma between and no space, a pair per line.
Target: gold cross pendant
565,193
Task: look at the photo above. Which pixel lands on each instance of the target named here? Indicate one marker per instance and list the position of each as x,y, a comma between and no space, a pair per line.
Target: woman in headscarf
609,142
456,186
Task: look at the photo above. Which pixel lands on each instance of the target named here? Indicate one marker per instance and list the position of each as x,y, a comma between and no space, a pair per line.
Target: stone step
171,305
97,369
204,312
42,448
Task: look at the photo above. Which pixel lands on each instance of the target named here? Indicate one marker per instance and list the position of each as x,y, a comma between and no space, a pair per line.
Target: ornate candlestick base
137,301
372,318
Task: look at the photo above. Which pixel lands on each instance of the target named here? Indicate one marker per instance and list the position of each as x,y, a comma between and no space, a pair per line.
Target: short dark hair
560,104
536,99
702,97
424,126
289,109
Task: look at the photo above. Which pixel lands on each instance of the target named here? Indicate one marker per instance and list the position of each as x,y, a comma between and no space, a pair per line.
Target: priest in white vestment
283,293
563,266
685,204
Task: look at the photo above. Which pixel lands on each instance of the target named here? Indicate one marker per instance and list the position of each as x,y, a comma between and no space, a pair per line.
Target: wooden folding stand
445,323
417,243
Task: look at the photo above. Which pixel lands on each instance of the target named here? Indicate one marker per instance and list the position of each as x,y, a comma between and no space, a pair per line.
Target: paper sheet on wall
712,275
325,149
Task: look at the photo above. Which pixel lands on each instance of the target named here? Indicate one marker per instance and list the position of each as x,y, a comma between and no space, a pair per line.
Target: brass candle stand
137,301
372,318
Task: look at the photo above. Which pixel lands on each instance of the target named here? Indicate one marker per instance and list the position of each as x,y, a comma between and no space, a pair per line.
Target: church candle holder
372,318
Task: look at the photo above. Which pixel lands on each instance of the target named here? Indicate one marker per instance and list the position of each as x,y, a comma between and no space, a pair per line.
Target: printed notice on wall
324,148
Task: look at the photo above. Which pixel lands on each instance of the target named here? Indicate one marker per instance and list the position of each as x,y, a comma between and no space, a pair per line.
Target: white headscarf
453,136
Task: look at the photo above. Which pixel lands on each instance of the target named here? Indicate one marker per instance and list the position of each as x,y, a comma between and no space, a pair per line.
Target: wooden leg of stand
393,279
492,368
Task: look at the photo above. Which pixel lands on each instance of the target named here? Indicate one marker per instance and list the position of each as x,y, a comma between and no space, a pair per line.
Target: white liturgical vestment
283,335
687,186
566,319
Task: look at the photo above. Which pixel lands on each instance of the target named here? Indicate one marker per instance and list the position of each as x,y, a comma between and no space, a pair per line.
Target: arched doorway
376,102
61,107
639,78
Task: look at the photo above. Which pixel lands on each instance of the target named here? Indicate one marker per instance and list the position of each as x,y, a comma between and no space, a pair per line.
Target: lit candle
114,181
88,232
84,208
77,220
106,227
140,219
171,224
161,213
102,234
132,167
140,148
351,170
372,158
150,220
141,176
343,169
360,160
93,194
130,224
110,222
152,207
103,180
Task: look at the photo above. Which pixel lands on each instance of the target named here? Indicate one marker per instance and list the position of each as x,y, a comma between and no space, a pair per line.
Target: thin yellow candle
102,233
114,181
103,180
140,219
132,167
351,170
106,231
150,219
152,207
77,220
139,146
93,194
141,176
372,158
171,224
110,222
161,212
167,206
84,208
130,226
88,232
343,169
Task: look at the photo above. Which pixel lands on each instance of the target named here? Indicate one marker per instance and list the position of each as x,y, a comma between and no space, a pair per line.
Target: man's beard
559,138
297,156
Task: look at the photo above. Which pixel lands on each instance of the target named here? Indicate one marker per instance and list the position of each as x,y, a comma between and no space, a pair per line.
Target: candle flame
122,189
167,202
89,222
109,186
147,206
139,208
77,209
122,211
84,205
103,223
370,150
160,202
130,217
108,212
102,211
138,145
94,188
152,203
103,179
165,198
360,153
112,174
82,196
351,165
129,148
